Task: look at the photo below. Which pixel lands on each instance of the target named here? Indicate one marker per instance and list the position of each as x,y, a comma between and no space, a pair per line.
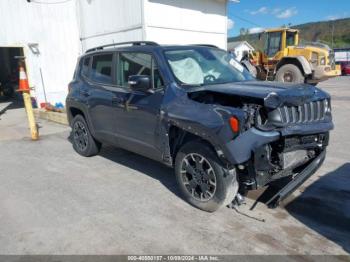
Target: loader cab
277,40
273,43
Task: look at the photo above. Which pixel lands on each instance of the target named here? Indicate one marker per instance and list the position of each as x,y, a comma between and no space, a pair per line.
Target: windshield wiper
192,85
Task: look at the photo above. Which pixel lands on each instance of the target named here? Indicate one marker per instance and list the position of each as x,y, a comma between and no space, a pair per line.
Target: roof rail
206,45
123,43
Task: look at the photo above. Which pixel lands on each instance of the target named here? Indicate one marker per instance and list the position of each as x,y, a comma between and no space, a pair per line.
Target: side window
290,38
131,63
85,66
101,69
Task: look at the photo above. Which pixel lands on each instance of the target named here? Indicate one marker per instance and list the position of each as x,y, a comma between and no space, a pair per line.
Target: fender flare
73,104
306,67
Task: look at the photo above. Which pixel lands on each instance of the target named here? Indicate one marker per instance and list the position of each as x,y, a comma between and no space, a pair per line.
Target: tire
8,91
83,142
219,186
290,73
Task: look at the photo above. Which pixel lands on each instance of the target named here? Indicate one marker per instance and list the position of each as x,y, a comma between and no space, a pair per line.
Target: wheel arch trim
299,61
77,106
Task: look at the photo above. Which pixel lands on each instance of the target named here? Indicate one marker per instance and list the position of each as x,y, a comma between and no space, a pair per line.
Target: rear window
101,69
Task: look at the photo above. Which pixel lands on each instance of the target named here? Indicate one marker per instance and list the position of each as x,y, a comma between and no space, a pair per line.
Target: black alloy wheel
198,177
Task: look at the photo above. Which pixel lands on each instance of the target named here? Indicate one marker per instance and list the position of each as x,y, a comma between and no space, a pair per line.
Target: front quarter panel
208,121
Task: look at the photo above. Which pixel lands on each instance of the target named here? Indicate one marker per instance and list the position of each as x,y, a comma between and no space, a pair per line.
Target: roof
233,45
143,46
281,29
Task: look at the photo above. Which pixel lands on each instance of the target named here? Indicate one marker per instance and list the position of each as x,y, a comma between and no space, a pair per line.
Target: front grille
309,112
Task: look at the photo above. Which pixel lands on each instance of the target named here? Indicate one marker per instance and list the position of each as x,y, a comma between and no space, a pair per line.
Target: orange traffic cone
23,80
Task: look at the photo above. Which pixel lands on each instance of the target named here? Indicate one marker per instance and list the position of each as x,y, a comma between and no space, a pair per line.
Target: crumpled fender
207,121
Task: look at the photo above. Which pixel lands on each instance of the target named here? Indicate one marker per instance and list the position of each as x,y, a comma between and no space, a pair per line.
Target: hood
274,94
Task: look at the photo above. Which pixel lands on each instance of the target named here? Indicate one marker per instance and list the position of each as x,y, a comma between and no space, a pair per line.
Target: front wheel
290,74
202,179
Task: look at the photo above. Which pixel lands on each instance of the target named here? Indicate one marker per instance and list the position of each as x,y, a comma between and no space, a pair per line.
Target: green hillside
310,32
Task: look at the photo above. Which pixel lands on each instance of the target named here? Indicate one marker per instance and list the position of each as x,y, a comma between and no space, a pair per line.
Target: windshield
205,66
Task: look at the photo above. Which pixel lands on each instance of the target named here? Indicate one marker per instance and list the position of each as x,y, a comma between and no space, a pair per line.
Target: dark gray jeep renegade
195,108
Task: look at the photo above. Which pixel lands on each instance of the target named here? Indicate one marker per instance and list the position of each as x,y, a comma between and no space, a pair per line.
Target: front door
273,44
138,113
273,49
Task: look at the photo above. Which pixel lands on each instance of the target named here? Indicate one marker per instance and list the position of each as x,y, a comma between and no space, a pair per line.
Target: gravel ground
55,202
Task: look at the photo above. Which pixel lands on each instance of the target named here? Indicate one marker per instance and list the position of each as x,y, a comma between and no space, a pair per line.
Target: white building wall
66,29
54,27
108,21
163,21
186,22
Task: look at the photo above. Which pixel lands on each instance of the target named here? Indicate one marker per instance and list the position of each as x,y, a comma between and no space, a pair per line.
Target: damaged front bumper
288,156
297,181
241,148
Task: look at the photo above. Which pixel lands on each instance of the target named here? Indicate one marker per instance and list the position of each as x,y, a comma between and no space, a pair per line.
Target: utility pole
332,34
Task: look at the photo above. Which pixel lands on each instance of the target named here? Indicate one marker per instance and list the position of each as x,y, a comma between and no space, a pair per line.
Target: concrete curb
60,118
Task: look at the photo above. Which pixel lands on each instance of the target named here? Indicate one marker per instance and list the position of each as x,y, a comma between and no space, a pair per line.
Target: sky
258,14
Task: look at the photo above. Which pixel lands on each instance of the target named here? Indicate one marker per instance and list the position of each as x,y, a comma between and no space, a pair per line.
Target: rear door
99,93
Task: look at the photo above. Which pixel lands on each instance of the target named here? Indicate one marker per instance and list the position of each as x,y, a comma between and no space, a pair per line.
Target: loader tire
290,74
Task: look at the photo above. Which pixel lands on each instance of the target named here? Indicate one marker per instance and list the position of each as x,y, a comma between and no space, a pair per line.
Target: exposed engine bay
253,107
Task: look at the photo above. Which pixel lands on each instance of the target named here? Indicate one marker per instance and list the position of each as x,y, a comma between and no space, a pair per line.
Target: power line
48,3
246,20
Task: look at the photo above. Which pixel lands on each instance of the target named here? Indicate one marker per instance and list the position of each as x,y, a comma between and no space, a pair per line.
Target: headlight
314,58
322,61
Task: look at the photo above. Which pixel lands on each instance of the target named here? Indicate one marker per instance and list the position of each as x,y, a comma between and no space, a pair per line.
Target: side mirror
140,83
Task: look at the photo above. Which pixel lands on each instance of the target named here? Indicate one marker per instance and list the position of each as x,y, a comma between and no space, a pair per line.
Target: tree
243,32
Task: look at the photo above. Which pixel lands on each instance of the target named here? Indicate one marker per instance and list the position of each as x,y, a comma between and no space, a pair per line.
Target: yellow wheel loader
285,60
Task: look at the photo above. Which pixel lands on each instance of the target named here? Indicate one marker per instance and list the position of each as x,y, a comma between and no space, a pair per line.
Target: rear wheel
203,181
83,142
290,74
8,90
